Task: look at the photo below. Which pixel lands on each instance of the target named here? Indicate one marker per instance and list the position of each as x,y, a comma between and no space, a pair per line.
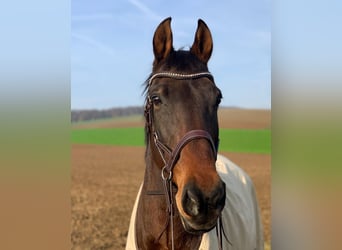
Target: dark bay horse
182,195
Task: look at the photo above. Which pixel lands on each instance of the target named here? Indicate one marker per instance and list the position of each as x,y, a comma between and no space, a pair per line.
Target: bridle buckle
166,178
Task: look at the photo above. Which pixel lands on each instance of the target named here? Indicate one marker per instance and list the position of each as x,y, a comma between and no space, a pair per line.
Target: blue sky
111,48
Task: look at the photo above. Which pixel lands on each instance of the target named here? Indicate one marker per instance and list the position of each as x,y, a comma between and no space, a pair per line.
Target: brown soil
105,181
244,118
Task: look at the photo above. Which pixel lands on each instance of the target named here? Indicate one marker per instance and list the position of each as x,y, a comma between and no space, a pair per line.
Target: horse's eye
218,101
156,100
219,98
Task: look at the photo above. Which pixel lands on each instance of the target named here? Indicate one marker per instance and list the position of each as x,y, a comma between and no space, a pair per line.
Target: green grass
231,140
112,136
245,140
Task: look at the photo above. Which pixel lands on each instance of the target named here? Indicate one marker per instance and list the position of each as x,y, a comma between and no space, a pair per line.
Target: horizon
142,106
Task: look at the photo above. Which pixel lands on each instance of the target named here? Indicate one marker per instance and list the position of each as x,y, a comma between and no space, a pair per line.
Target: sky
112,54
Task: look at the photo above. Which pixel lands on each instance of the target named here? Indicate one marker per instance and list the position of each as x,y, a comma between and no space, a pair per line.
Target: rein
173,155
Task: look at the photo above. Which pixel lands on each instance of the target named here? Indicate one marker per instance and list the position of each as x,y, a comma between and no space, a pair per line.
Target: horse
190,197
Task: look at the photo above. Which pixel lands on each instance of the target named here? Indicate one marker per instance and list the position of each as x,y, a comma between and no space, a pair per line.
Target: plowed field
105,181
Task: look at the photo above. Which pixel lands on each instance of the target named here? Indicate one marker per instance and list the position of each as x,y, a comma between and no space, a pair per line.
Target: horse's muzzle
202,210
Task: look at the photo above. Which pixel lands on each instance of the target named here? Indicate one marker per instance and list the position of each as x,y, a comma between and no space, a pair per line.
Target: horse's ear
203,44
162,40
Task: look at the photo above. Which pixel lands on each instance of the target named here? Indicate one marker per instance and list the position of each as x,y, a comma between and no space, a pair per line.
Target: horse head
182,97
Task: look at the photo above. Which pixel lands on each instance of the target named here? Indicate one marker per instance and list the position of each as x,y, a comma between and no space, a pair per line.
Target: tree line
94,114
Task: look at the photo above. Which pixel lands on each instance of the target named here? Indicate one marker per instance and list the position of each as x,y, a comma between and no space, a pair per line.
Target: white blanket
240,216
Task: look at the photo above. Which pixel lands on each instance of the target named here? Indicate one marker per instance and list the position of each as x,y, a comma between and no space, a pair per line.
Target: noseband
173,155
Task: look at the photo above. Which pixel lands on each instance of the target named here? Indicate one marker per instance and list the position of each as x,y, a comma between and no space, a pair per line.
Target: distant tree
95,114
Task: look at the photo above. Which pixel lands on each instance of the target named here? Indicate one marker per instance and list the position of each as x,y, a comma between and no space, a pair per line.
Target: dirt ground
105,181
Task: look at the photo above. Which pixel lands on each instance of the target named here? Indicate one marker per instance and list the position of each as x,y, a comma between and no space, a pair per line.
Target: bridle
173,155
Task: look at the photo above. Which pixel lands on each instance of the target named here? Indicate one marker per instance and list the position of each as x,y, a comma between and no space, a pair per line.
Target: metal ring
155,136
162,174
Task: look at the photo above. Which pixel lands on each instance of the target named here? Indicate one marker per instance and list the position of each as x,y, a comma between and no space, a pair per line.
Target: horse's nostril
219,197
195,204
191,203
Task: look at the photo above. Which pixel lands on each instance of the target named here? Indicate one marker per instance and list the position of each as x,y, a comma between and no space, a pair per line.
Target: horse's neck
152,216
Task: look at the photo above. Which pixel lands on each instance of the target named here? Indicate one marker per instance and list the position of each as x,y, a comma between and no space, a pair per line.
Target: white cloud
94,43
145,10
93,17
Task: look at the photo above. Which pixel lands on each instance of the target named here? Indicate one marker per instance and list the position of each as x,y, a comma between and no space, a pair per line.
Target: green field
231,140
